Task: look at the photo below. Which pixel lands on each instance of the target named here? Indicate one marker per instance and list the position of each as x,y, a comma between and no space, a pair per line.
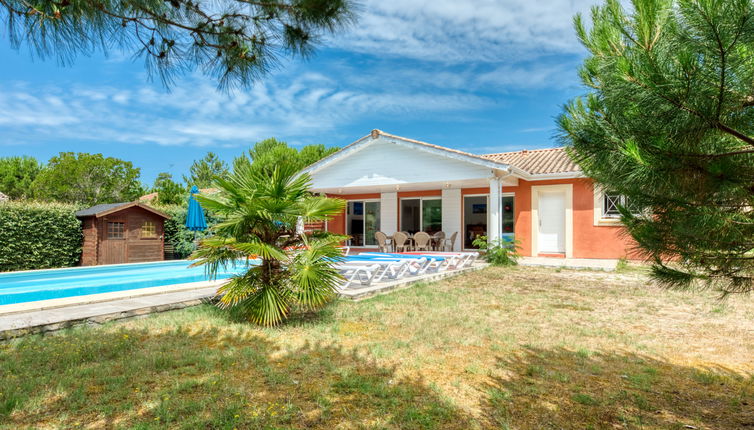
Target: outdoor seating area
402,241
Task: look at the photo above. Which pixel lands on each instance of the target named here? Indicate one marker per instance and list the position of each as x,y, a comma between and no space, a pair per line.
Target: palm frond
313,273
264,250
214,253
266,305
320,208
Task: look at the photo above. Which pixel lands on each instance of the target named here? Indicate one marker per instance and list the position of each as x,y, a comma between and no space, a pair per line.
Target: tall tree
88,179
669,123
16,176
168,191
233,41
310,154
260,210
266,154
204,172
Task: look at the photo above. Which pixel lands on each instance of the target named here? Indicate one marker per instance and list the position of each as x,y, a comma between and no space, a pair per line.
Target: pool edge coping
15,272
41,305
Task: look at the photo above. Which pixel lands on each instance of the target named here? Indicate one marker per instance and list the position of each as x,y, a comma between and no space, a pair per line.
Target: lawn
519,348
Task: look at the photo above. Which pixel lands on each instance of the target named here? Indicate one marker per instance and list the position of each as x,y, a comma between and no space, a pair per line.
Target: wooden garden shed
122,233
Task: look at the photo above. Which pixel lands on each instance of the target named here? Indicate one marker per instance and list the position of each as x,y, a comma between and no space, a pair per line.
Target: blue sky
483,76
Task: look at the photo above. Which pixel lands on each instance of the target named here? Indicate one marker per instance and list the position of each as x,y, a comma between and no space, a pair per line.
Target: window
508,215
611,202
116,230
148,230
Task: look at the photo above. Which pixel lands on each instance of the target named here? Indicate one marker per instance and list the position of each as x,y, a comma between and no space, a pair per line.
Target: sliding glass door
371,222
362,221
421,214
474,219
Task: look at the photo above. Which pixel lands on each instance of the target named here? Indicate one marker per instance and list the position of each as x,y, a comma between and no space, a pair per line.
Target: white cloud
195,113
536,129
426,58
452,31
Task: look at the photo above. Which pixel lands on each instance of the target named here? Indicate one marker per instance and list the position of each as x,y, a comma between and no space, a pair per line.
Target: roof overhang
377,135
550,176
131,205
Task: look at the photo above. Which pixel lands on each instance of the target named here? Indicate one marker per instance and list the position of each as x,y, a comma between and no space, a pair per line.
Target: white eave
496,168
413,144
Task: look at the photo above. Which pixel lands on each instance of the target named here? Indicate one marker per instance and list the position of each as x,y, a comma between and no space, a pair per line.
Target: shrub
176,232
498,253
38,235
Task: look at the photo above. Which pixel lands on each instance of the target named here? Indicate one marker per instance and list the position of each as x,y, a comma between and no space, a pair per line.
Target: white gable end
386,163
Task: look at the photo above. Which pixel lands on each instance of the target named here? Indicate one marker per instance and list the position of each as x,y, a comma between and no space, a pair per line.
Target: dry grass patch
520,348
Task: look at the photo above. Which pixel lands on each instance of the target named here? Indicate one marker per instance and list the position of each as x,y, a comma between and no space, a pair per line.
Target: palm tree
260,212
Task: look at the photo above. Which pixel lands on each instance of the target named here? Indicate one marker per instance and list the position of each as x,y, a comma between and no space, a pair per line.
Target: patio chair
438,240
450,243
400,241
421,241
381,240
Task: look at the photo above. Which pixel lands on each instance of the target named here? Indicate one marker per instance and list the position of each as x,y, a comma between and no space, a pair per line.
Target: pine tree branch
716,124
236,41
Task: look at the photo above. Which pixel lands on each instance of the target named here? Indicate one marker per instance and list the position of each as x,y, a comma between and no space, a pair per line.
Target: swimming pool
36,285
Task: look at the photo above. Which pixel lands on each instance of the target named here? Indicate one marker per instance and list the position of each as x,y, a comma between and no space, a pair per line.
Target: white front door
551,215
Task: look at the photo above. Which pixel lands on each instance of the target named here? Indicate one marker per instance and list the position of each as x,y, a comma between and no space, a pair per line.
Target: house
539,197
122,233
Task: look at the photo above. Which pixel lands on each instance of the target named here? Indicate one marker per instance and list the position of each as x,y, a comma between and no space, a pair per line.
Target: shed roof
108,208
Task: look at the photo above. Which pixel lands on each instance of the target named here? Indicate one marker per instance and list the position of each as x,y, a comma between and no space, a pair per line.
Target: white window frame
421,210
600,218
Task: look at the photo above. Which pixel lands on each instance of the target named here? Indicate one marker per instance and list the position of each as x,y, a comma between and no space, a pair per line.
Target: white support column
494,223
389,213
452,207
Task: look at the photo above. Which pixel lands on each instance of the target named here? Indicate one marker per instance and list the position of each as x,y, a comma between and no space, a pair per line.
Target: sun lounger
420,263
458,259
396,267
365,271
364,274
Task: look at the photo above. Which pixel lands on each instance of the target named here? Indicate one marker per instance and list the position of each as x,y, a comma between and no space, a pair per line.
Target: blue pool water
79,281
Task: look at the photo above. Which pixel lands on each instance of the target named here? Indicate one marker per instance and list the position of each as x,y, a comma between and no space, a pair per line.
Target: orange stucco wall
589,241
337,225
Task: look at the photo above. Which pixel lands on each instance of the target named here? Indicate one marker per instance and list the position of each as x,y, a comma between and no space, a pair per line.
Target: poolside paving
39,321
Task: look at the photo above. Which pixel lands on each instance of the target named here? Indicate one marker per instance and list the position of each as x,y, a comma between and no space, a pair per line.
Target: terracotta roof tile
537,161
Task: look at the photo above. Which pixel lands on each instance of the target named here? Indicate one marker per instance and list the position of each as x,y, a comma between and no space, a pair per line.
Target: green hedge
177,234
38,235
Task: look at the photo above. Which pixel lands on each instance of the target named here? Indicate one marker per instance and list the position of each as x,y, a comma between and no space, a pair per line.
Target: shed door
114,242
